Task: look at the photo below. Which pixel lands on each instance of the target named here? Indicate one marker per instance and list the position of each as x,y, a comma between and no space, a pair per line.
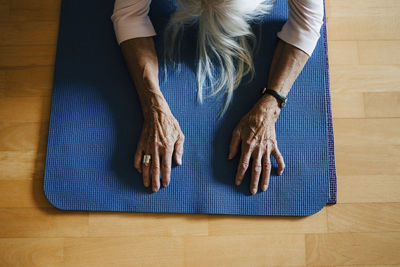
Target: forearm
141,60
287,63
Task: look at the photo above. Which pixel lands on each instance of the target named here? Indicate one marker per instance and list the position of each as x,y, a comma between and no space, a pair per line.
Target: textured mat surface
96,121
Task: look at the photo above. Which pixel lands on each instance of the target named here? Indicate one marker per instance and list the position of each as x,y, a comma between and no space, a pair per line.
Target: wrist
269,106
153,103
151,97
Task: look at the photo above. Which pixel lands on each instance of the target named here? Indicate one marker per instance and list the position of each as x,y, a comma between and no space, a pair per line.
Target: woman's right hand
161,136
163,139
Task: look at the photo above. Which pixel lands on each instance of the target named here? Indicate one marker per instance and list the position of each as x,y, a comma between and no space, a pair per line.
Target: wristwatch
281,99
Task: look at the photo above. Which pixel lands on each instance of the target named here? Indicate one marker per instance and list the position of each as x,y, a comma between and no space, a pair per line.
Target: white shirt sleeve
130,19
303,26
302,29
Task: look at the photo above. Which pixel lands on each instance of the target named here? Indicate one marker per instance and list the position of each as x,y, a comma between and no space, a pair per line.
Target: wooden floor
363,229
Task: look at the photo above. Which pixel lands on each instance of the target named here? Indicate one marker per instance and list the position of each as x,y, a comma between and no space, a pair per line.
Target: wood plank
353,248
363,28
2,83
43,222
327,7
21,165
22,194
364,265
24,109
352,131
368,188
363,8
29,81
28,10
382,105
363,40
31,251
146,224
4,10
347,104
128,251
367,160
25,136
360,179
365,78
28,33
343,52
261,225
379,52
22,56
251,250
364,217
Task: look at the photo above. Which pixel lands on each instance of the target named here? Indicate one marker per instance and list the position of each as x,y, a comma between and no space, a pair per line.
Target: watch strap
281,99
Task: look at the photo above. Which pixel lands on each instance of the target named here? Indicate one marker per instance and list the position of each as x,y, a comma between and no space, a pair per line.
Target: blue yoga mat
96,120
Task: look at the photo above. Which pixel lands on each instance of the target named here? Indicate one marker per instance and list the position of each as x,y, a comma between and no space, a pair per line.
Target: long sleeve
130,19
302,28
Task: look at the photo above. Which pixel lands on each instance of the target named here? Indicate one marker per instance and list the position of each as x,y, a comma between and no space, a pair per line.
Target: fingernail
155,189
229,156
237,182
146,184
165,184
253,190
264,187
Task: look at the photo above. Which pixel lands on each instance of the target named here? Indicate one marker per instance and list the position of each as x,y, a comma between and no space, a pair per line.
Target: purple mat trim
331,146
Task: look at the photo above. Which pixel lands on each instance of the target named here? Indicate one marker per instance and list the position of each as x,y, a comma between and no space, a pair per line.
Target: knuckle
267,145
165,165
267,164
257,168
244,164
155,166
164,147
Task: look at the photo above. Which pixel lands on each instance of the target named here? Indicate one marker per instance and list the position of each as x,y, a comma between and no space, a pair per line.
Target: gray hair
224,33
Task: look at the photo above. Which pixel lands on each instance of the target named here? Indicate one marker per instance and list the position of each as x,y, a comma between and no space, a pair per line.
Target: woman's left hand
256,132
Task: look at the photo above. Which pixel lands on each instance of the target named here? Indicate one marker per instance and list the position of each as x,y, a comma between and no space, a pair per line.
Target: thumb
278,156
178,150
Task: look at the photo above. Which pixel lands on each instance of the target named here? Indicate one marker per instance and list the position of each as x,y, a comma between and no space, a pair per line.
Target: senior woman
224,33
